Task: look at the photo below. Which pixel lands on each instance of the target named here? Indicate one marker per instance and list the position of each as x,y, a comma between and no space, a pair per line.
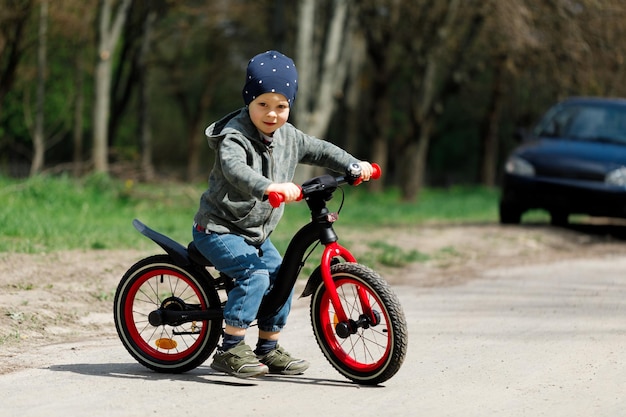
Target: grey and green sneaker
239,361
280,361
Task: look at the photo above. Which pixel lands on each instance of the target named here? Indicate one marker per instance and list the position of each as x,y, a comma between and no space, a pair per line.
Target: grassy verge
45,214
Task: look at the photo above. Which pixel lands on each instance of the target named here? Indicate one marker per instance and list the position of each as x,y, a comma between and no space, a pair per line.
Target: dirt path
67,296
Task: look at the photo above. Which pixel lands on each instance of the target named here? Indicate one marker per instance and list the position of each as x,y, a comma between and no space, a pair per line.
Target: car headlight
616,177
518,166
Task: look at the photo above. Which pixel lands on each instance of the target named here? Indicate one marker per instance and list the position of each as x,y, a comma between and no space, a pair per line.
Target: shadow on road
596,228
613,231
202,375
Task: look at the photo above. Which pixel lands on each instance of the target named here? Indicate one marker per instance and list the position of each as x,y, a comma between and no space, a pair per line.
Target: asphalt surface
547,340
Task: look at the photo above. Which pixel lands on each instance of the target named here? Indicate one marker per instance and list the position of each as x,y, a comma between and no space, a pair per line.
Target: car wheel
510,214
559,218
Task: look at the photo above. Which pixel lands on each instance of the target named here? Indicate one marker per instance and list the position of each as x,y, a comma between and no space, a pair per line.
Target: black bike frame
316,193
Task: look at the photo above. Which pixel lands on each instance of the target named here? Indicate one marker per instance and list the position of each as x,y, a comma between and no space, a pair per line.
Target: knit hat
271,72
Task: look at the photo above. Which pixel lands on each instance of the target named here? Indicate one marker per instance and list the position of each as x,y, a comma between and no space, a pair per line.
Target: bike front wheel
157,283
374,350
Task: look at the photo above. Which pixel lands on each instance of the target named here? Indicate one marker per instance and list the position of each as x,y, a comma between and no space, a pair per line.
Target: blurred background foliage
433,90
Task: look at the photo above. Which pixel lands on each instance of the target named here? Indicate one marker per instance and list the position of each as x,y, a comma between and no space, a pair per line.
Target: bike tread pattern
393,318
190,356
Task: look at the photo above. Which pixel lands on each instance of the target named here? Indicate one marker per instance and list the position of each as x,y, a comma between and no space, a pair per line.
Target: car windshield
594,122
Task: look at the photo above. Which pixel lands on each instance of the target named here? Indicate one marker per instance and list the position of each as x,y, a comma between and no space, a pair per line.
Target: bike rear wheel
153,283
373,352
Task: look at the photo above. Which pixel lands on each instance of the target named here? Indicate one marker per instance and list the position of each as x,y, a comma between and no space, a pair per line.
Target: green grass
391,255
48,214
44,214
456,204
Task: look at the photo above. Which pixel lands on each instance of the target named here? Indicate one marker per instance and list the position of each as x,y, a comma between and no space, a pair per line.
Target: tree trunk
490,131
109,35
353,96
316,91
379,154
39,145
443,56
101,112
334,72
304,62
12,50
378,25
196,132
380,142
79,104
147,166
414,161
414,165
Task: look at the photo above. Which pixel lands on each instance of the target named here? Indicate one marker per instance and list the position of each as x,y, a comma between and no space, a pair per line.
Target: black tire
559,218
510,214
374,353
165,348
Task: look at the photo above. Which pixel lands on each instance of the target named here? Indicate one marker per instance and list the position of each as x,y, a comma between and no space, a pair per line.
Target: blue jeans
254,275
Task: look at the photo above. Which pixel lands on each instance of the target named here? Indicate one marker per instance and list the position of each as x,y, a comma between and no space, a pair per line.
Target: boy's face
269,111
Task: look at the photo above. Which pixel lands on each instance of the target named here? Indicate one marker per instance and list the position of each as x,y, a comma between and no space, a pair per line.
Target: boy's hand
289,190
366,170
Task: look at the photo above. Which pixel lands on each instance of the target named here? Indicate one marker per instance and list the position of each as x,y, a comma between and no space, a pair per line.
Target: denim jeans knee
253,274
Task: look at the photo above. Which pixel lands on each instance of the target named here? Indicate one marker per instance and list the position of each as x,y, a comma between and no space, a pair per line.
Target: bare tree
39,145
457,25
423,43
379,22
72,24
200,42
353,114
13,20
144,97
79,106
111,22
319,86
509,39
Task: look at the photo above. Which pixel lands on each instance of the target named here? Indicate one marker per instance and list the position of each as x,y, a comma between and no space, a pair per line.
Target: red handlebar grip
377,171
275,199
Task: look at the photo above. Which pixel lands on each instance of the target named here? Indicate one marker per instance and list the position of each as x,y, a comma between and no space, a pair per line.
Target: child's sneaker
280,362
239,361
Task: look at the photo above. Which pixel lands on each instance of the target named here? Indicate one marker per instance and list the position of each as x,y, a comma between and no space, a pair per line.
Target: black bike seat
196,256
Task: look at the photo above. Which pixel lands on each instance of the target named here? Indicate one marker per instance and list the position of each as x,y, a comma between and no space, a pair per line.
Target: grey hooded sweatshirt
245,166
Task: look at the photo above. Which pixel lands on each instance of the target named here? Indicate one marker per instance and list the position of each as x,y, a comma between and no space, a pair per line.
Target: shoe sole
242,375
280,371
287,372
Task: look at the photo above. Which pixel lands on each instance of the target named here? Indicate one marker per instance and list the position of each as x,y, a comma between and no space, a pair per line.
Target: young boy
257,152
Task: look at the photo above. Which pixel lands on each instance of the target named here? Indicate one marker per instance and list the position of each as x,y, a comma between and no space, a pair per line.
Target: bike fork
331,251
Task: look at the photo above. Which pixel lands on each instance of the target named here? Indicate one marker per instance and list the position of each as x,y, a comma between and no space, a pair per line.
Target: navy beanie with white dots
271,72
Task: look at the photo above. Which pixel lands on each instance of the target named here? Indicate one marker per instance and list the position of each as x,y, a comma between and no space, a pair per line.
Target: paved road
535,341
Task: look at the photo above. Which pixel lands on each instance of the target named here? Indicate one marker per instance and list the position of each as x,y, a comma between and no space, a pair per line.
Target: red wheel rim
146,296
368,349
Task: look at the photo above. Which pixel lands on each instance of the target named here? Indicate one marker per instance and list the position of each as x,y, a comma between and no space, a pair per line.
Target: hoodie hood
232,123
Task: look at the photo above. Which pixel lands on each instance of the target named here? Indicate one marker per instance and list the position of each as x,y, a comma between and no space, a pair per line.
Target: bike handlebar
276,199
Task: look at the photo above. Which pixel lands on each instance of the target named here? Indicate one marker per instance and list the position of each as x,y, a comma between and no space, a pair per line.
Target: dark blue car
573,162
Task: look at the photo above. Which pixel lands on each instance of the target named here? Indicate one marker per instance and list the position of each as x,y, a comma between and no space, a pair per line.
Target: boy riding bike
257,152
